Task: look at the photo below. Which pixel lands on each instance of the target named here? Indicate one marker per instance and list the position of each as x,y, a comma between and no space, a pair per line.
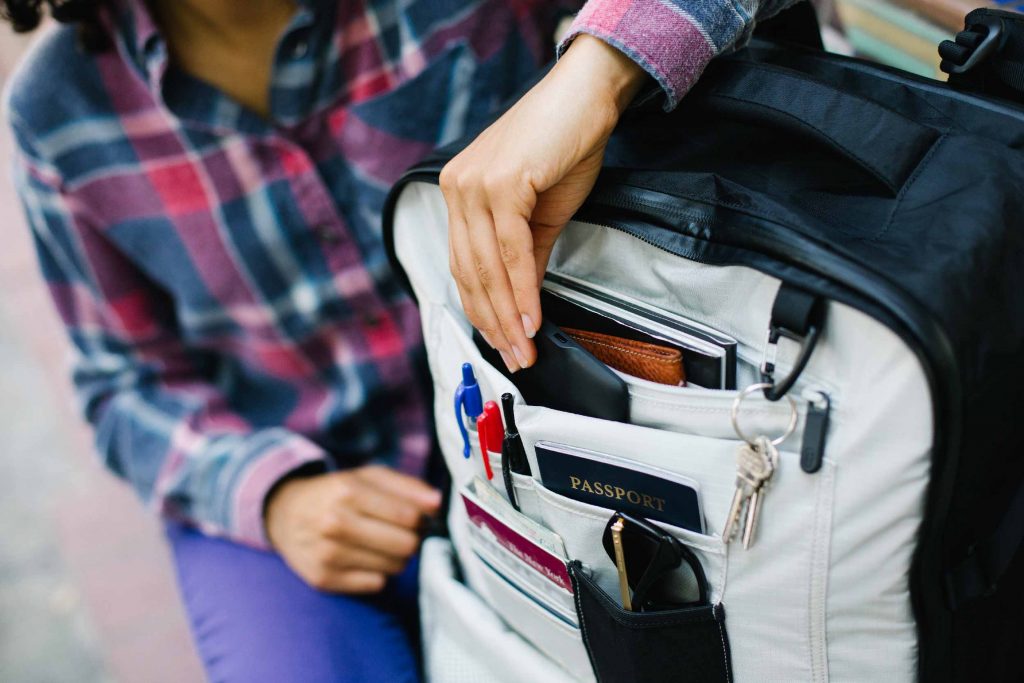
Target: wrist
615,77
284,489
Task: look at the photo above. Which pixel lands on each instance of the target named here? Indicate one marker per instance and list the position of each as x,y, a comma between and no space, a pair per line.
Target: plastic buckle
994,32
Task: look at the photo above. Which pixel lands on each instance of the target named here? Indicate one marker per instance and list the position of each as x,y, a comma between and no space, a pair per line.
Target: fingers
516,247
352,582
416,492
344,557
474,300
383,507
493,269
494,280
375,535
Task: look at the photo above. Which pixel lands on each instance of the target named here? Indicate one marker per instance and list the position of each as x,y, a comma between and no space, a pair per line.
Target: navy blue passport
616,483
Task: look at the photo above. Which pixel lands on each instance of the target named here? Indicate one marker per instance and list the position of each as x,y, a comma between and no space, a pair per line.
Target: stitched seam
906,189
707,409
825,499
869,166
583,624
548,497
725,652
657,357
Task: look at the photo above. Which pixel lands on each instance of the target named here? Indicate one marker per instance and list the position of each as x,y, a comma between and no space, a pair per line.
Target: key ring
735,414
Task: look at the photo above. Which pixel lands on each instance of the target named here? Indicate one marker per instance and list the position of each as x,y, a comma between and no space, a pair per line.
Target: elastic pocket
581,525
650,647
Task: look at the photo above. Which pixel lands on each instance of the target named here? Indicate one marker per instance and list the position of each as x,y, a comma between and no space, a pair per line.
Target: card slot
463,637
532,615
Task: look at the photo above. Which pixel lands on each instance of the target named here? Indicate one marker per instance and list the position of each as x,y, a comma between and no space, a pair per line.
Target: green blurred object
893,35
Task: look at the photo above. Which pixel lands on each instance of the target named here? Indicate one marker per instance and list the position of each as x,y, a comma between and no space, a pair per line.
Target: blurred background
86,589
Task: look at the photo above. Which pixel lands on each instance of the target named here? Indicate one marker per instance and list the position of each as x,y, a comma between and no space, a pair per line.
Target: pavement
87,592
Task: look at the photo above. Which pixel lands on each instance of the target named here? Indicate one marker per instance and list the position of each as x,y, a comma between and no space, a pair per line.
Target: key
771,455
753,465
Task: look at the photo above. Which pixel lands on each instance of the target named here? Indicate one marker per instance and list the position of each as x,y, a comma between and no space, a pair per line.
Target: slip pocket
688,644
464,641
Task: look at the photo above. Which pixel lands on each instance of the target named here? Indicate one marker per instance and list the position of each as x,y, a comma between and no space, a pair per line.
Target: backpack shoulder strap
987,561
987,57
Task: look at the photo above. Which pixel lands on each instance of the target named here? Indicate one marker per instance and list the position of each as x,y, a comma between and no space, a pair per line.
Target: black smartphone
565,377
651,558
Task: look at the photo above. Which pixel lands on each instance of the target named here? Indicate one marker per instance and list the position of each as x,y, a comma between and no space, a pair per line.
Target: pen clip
459,392
484,429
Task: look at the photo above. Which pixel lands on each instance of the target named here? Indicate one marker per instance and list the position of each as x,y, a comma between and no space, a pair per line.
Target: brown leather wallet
653,362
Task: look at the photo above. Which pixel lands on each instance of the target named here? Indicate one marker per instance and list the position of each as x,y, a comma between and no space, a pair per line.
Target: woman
204,181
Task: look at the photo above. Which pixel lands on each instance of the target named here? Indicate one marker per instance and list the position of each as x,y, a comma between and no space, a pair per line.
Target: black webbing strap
988,55
978,574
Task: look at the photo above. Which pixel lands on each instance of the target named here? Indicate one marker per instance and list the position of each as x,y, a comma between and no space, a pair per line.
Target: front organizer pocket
685,644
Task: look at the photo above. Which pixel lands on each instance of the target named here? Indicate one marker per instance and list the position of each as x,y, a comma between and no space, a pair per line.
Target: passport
616,483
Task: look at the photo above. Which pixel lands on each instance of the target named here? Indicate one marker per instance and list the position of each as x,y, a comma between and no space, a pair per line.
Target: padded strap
884,143
978,574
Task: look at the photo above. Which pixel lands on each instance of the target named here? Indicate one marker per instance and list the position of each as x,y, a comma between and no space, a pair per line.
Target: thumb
411,489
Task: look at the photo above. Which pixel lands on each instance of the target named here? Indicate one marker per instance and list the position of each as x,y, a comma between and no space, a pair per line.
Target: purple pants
253,620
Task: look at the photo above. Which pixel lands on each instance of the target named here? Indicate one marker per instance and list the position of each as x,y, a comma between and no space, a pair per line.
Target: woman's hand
346,532
512,190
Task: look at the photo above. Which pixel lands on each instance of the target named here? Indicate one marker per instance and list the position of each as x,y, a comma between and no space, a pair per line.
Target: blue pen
468,399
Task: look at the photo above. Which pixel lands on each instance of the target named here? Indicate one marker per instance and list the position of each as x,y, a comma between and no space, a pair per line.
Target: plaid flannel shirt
221,275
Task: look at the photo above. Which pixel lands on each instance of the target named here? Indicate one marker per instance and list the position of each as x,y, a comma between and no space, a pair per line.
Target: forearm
191,458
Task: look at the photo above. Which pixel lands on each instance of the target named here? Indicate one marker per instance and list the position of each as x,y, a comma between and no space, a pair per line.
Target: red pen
491,430
482,429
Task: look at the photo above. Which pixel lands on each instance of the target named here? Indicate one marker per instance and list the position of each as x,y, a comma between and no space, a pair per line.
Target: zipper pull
812,451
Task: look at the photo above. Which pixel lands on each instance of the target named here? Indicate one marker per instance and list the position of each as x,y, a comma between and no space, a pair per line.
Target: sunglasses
647,558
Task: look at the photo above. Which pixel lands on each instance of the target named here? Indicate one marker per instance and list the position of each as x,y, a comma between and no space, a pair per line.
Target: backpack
858,232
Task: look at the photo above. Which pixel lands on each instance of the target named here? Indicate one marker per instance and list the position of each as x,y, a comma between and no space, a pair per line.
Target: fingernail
528,327
509,363
433,498
520,357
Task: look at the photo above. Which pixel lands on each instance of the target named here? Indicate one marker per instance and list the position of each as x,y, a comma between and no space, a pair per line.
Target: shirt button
300,50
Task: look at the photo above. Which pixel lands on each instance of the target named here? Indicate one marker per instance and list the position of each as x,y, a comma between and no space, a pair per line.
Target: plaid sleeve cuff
257,481
669,44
